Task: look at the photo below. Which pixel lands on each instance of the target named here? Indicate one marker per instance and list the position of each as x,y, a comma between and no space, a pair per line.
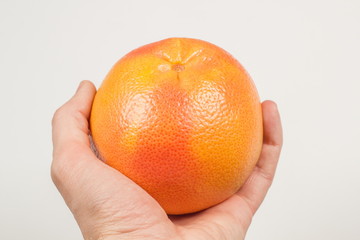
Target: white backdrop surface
302,54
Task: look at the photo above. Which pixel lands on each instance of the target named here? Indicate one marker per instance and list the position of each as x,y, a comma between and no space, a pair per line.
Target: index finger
255,188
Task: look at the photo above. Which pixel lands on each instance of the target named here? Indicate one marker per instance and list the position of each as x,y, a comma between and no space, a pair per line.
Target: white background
305,55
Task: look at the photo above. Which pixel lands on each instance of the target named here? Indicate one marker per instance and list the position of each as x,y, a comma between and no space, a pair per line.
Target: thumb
70,121
76,171
71,145
100,197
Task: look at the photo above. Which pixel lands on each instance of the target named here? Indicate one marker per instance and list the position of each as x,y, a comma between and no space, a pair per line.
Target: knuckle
268,176
65,165
57,115
56,173
58,169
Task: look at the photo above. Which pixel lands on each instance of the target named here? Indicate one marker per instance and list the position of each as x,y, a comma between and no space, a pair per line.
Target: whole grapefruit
181,118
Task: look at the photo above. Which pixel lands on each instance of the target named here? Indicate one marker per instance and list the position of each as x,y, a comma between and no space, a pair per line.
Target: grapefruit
181,118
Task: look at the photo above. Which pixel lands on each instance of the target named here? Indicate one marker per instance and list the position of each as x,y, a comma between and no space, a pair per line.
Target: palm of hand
108,205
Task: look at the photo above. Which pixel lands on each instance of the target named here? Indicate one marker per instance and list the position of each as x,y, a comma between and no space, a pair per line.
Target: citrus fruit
181,118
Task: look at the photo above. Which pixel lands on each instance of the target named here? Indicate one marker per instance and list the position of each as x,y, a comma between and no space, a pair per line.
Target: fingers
272,124
237,211
94,191
273,139
74,164
70,122
257,185
71,134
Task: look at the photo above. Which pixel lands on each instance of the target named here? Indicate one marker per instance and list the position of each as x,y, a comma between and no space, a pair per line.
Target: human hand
109,206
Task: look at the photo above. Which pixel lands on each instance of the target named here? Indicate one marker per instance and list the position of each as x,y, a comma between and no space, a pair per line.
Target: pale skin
109,206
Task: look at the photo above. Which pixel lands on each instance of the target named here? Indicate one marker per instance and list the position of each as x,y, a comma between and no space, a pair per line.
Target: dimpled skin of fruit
181,118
